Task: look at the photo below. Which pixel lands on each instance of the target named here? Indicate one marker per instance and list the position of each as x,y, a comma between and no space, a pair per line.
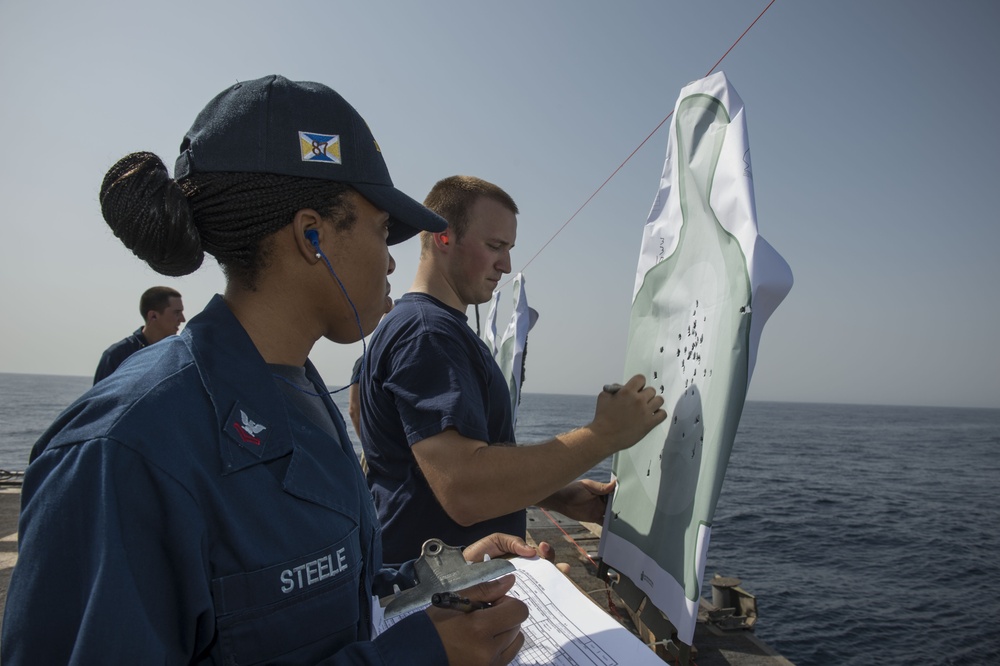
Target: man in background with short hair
436,421
162,312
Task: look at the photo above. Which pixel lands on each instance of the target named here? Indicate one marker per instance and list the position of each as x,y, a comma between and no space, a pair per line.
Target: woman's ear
307,229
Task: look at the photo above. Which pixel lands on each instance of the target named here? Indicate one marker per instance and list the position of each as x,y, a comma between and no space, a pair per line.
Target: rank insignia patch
246,430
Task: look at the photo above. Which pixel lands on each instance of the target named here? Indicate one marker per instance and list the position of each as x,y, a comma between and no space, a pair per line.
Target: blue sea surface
869,534
28,405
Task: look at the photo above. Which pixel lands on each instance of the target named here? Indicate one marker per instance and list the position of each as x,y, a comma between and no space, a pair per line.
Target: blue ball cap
298,128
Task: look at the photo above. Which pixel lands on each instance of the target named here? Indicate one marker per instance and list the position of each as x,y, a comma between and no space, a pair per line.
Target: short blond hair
452,198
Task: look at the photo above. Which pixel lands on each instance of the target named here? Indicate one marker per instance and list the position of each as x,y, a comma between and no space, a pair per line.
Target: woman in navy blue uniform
204,504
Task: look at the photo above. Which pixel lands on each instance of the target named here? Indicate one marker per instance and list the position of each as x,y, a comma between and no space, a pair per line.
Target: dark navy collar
140,338
249,406
253,413
421,296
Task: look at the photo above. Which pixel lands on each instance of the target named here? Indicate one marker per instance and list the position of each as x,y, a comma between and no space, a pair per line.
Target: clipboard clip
441,569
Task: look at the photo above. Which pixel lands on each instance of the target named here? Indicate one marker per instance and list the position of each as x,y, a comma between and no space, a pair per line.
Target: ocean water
869,534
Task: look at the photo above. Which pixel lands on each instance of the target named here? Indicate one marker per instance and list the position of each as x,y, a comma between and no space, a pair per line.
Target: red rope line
553,521
615,172
738,40
612,609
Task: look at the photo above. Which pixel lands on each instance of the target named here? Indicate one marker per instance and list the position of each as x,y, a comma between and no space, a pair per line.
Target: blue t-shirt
427,372
116,354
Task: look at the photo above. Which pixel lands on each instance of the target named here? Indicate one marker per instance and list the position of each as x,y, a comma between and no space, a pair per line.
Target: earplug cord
313,238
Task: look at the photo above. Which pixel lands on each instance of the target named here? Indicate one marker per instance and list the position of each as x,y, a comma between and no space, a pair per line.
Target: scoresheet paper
566,628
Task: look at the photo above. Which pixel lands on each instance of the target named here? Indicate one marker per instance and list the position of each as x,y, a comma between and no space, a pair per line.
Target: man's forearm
476,483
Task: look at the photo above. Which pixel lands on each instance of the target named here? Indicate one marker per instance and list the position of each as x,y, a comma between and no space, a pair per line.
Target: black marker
612,388
452,601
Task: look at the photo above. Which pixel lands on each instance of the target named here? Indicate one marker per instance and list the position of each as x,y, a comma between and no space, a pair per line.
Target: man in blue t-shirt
436,424
162,313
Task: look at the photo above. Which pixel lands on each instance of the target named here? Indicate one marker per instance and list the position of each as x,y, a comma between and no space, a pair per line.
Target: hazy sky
871,128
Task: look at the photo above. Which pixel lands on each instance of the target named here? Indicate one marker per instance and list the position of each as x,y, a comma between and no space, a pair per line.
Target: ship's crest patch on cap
320,147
